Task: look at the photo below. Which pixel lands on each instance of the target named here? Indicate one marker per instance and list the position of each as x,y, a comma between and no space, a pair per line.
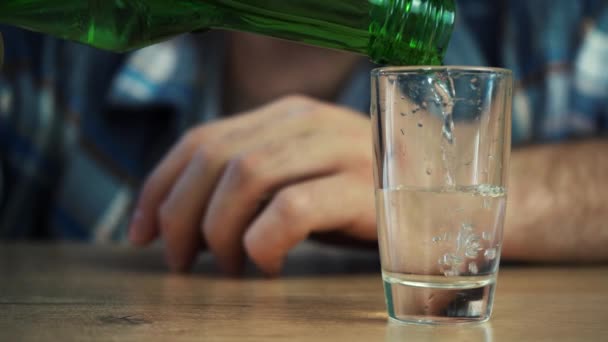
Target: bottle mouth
411,32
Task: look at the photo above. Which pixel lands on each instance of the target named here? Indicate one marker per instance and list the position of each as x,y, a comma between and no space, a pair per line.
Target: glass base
423,303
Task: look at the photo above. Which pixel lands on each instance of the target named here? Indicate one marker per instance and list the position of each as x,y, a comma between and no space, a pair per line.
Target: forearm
558,203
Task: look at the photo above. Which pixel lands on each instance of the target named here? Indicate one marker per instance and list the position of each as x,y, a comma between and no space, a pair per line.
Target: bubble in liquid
473,84
473,268
456,260
490,254
436,239
429,171
462,239
420,124
450,260
471,251
446,259
472,246
452,272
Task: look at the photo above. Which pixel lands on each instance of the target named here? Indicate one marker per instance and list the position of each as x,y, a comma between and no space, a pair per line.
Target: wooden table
115,293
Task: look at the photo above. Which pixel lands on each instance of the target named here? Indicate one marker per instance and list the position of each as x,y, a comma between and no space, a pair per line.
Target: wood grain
114,293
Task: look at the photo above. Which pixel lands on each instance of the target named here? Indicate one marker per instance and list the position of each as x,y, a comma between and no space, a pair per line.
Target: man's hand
259,183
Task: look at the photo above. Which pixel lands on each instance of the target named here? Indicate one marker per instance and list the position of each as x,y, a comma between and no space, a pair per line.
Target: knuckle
199,136
317,116
244,170
295,99
289,205
206,153
190,138
298,104
191,134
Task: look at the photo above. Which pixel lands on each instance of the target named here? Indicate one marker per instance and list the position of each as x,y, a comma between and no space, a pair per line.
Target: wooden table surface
115,293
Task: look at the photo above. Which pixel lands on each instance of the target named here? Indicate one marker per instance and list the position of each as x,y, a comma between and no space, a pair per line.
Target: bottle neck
410,32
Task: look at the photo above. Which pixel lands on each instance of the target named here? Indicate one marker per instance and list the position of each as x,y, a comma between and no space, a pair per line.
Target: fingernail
136,227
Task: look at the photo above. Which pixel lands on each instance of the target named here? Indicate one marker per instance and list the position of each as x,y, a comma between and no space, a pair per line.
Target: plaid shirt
80,128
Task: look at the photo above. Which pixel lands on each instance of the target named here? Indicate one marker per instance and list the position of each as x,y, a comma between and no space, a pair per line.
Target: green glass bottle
401,32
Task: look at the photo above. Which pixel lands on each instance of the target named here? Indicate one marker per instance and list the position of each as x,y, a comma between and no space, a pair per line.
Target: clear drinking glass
442,139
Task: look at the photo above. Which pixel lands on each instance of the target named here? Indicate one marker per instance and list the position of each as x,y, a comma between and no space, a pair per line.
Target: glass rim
417,69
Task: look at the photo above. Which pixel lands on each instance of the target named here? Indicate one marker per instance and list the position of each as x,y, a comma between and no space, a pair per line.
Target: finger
341,201
184,208
254,176
183,205
145,226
